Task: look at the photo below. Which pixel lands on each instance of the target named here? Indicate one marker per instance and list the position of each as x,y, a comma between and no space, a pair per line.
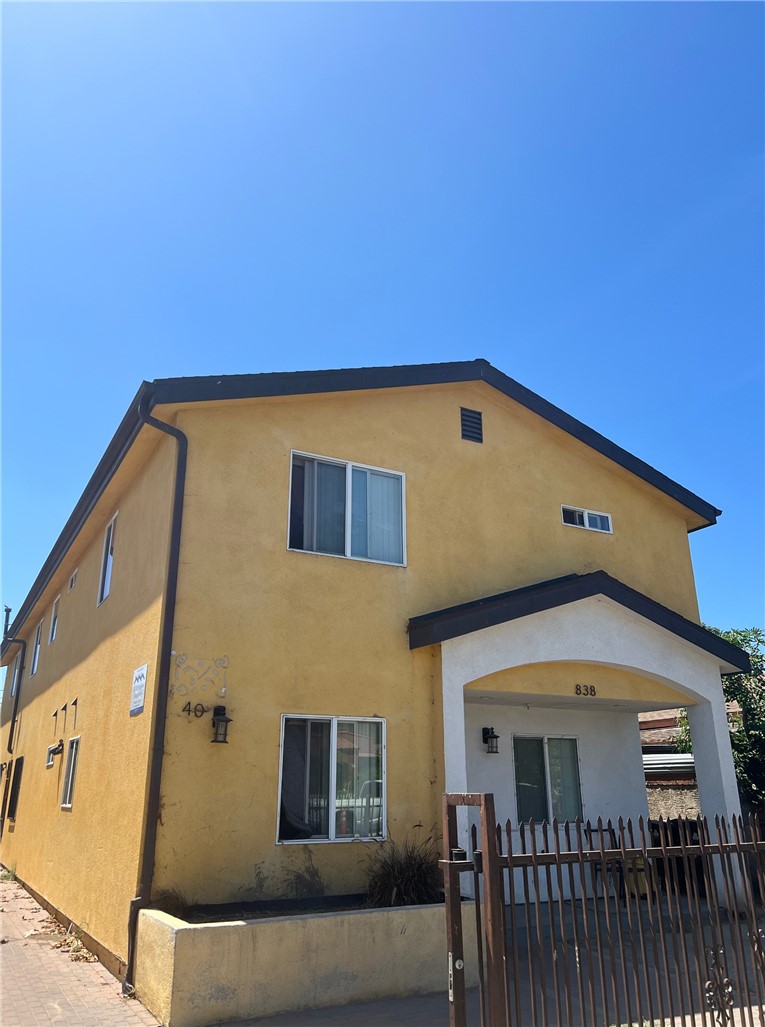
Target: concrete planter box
194,974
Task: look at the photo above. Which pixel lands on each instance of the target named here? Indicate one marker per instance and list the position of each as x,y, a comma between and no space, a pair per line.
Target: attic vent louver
472,425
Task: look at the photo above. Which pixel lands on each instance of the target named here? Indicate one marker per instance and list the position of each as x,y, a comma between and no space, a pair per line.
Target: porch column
455,753
716,777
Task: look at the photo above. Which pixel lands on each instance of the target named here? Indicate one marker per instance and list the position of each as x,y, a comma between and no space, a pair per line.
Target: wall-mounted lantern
220,724
490,739
56,750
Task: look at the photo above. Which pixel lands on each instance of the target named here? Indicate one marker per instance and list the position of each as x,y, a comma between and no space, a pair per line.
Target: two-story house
373,585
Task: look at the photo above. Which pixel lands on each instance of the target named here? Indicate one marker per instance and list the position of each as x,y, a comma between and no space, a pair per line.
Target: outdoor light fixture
57,749
220,724
490,739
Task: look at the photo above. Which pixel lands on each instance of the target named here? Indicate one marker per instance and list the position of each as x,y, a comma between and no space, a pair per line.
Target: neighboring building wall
670,799
313,634
84,861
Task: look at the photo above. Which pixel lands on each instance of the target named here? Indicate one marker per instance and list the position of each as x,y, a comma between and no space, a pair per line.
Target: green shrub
405,874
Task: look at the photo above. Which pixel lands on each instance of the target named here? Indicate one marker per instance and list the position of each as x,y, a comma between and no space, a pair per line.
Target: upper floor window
36,649
547,784
586,519
345,509
72,581
53,621
15,674
105,581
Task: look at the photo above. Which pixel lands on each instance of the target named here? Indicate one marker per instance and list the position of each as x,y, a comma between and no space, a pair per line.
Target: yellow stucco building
364,576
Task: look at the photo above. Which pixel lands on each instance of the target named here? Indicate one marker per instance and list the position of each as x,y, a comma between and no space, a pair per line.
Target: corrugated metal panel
668,763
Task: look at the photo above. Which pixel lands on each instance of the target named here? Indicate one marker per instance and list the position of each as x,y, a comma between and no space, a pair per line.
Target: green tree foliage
747,728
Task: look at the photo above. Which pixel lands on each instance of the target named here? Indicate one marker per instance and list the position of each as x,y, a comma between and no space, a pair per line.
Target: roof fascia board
293,383
432,628
113,456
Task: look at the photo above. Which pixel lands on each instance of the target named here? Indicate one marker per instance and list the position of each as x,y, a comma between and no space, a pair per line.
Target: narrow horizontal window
591,519
36,650
69,774
53,621
332,779
107,561
344,509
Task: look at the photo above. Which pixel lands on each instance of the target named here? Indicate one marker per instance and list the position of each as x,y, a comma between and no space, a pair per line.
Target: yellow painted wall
302,633
191,974
560,679
84,861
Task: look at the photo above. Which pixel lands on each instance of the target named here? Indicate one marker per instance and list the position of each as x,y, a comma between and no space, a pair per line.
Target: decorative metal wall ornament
718,990
757,939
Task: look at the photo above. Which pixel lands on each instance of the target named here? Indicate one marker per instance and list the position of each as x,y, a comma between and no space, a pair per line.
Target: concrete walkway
42,985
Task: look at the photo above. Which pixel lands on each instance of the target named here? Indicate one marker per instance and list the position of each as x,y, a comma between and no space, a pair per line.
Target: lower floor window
67,793
547,782
332,778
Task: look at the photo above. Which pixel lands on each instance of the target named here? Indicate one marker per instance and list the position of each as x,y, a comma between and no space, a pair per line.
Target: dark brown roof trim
293,383
250,386
431,628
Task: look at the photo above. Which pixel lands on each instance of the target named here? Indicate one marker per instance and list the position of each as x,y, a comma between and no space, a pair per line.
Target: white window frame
15,674
70,772
332,797
72,580
108,543
586,526
349,465
573,738
53,620
36,649
51,757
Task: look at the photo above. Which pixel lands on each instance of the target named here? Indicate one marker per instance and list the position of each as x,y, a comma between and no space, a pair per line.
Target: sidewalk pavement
42,985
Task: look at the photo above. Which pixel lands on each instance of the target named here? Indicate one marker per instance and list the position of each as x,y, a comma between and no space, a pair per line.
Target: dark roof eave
436,627
249,386
113,456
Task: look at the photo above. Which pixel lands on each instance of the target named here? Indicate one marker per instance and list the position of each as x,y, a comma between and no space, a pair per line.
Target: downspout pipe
159,715
19,679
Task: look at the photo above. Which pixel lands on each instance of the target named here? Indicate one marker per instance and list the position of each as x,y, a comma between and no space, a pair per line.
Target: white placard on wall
139,690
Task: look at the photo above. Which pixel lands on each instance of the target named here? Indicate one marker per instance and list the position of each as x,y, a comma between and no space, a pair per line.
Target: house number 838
585,690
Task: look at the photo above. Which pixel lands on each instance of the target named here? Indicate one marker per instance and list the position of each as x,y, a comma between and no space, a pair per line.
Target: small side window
105,581
72,581
590,519
13,803
53,620
15,674
36,650
69,774
51,758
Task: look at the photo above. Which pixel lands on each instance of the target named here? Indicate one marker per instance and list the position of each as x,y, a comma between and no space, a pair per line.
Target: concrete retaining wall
194,974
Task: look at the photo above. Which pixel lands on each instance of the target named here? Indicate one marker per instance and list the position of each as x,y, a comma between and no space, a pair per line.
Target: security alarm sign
139,690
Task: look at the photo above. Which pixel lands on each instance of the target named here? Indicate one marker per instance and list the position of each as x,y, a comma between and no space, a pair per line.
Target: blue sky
572,191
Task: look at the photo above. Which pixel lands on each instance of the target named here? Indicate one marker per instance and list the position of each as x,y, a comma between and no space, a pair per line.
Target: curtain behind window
564,778
530,783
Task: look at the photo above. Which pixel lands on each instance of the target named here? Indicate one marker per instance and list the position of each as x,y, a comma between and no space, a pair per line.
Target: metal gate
606,925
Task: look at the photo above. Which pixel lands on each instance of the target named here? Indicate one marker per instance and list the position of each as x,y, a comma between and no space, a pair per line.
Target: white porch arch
597,630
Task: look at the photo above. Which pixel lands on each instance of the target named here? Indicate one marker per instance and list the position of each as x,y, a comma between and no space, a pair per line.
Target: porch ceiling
531,700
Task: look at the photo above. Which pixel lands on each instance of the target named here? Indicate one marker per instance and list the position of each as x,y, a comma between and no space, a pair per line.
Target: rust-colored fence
583,925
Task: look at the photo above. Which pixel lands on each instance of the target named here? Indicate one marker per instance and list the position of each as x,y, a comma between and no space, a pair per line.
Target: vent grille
472,425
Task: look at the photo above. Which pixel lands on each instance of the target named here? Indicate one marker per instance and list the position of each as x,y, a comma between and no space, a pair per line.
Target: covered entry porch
560,671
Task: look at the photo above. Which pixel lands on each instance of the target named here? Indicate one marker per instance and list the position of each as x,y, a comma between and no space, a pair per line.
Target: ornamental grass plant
405,873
